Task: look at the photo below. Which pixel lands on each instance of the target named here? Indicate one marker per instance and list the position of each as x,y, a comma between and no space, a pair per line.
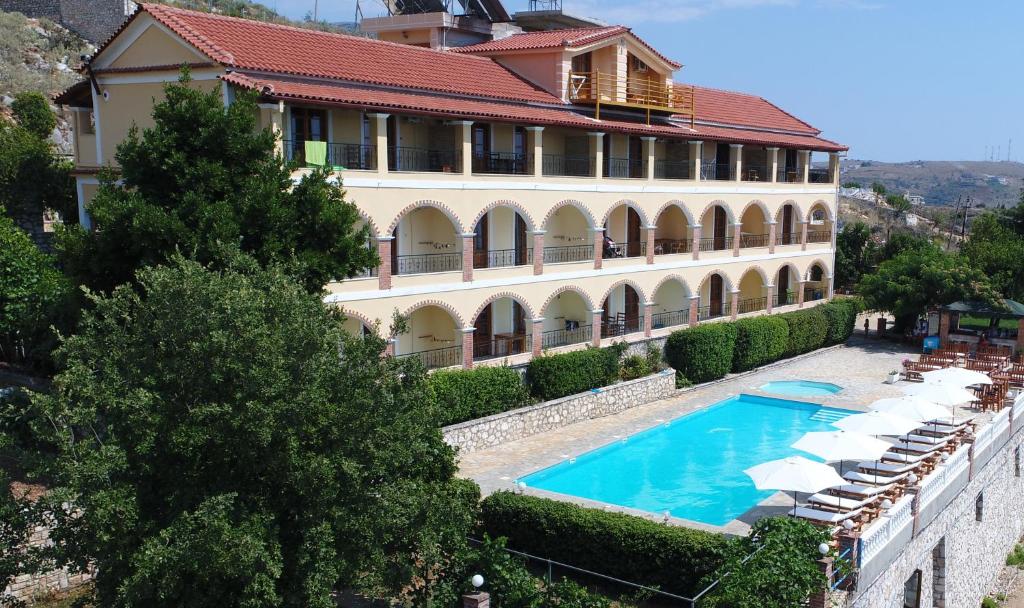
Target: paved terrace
859,367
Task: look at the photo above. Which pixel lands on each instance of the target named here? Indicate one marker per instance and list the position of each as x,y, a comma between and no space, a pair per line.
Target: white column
649,155
537,145
380,124
696,150
773,164
805,162
736,158
467,145
597,152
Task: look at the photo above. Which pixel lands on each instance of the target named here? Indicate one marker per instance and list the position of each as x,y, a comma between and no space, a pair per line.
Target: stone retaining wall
29,587
524,422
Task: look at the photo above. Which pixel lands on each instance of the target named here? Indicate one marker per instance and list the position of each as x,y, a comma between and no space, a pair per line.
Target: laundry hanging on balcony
316,153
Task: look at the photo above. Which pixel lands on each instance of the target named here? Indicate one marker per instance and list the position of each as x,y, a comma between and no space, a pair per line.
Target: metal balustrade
790,175
756,172
819,176
621,325
751,305
558,165
623,168
791,238
565,337
503,163
501,346
670,318
716,243
437,358
572,253
339,155
625,250
402,158
713,170
814,293
785,299
671,246
501,258
753,240
670,169
705,312
819,236
428,262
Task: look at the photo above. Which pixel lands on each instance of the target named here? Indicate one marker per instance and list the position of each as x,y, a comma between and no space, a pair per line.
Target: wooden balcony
599,88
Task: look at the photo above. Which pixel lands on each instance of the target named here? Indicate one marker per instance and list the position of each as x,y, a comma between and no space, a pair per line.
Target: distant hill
989,184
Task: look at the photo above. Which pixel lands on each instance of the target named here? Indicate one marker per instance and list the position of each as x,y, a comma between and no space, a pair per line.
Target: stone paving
859,367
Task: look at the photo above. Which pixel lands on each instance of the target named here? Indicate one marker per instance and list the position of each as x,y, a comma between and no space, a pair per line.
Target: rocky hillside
989,184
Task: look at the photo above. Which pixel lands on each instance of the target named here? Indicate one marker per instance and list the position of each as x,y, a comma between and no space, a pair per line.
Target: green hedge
702,353
759,340
554,376
842,316
671,558
462,395
807,330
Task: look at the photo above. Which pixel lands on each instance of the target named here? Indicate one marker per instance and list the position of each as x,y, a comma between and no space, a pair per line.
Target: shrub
807,331
638,366
32,111
702,353
671,558
466,394
841,315
759,340
554,376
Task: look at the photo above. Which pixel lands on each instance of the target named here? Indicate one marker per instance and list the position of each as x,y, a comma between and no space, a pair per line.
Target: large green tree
32,177
921,277
996,245
224,443
204,180
853,253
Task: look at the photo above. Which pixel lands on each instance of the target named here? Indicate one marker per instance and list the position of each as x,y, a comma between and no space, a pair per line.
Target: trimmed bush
807,331
759,340
554,376
638,366
671,558
842,316
702,353
465,394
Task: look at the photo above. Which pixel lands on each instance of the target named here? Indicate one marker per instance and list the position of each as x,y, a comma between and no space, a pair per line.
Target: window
912,591
481,141
582,63
979,506
636,65
519,141
309,125
818,217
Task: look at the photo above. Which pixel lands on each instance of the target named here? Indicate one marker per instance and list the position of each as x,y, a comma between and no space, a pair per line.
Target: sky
895,80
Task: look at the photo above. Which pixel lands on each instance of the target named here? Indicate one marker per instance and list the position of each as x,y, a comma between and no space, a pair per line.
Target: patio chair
827,518
860,478
831,502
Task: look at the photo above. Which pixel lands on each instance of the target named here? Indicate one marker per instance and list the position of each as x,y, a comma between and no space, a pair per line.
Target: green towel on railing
316,153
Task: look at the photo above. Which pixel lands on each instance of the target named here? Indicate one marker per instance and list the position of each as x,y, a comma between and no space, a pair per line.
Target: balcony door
791,168
782,284
482,332
520,241
480,243
716,288
787,225
482,145
722,164
632,232
721,221
632,309
636,157
307,125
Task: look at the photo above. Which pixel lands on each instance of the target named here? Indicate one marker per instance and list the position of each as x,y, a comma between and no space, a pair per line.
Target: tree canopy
32,111
204,180
227,444
854,249
32,177
996,245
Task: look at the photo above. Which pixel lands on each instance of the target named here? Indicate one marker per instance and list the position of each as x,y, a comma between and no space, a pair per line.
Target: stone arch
798,215
730,216
820,262
368,221
730,284
765,279
531,225
675,203
445,209
631,283
583,294
792,269
757,203
500,296
816,204
358,316
442,305
632,205
569,203
672,277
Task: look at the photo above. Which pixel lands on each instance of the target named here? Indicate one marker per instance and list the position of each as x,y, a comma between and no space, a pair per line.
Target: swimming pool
692,466
801,388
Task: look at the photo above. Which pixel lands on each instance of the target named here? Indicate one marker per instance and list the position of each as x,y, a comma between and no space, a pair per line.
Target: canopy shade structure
914,408
956,376
1007,309
794,474
942,394
877,423
837,446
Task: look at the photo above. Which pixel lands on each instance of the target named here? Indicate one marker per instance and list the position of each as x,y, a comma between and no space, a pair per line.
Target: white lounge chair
925,439
860,491
902,458
831,502
886,468
819,516
915,447
873,480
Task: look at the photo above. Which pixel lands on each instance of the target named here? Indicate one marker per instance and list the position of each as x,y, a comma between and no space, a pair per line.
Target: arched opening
355,326
501,238
623,237
819,224
816,286
715,225
432,336
713,297
567,236
786,283
754,227
753,293
500,330
673,233
567,320
671,305
371,244
786,232
622,312
425,240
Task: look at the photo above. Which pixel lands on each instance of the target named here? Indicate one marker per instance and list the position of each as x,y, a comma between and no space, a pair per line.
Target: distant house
914,199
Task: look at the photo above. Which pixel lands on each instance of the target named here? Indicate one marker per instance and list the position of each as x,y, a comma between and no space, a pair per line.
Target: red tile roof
731,108
254,45
362,97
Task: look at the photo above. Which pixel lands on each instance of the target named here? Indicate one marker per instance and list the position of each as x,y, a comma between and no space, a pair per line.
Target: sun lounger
932,440
887,468
860,491
872,479
828,518
902,458
915,447
830,502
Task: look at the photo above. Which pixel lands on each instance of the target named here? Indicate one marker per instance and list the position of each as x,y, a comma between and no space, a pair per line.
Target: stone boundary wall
534,419
29,587
958,556
94,20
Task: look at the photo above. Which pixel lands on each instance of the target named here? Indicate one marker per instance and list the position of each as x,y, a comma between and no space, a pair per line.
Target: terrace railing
341,155
428,262
751,305
622,168
756,172
706,312
814,293
503,163
716,243
670,319
500,258
501,346
567,166
626,250
791,238
621,326
670,246
819,236
672,169
819,176
437,358
402,158
785,299
713,170
572,253
790,175
565,337
753,240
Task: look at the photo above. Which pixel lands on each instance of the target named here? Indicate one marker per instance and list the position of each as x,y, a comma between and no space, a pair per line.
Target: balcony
711,170
814,293
436,358
819,236
716,243
753,240
599,88
625,168
571,253
672,246
502,258
785,299
503,163
621,325
429,262
672,169
819,176
557,165
756,172
751,305
635,249
572,334
500,346
790,175
670,318
705,313
401,158
787,238
331,154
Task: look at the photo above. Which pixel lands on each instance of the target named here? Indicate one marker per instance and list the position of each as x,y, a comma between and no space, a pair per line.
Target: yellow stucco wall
157,47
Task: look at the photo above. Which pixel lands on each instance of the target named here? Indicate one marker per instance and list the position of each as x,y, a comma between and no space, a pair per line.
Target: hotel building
528,190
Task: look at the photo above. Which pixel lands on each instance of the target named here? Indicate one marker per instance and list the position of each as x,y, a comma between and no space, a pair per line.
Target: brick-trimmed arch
756,203
798,215
631,283
445,209
442,305
365,320
819,203
501,296
671,277
820,262
792,268
730,216
365,217
765,280
530,223
578,205
628,203
564,289
682,207
730,284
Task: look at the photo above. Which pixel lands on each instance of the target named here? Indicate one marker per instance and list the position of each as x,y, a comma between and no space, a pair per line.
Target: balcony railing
787,238
437,358
756,172
672,169
623,168
558,165
639,92
705,312
401,158
347,156
790,175
819,176
500,258
503,163
751,305
621,325
785,299
814,293
428,262
625,250
716,243
819,236
670,246
753,240
714,170
670,319
572,253
501,346
563,337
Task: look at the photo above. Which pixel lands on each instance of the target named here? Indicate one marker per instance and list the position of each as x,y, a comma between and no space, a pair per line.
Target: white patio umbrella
911,407
877,423
840,446
943,394
956,376
794,474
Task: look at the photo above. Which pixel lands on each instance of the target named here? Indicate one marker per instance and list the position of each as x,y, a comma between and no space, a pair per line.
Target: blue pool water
801,388
692,466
